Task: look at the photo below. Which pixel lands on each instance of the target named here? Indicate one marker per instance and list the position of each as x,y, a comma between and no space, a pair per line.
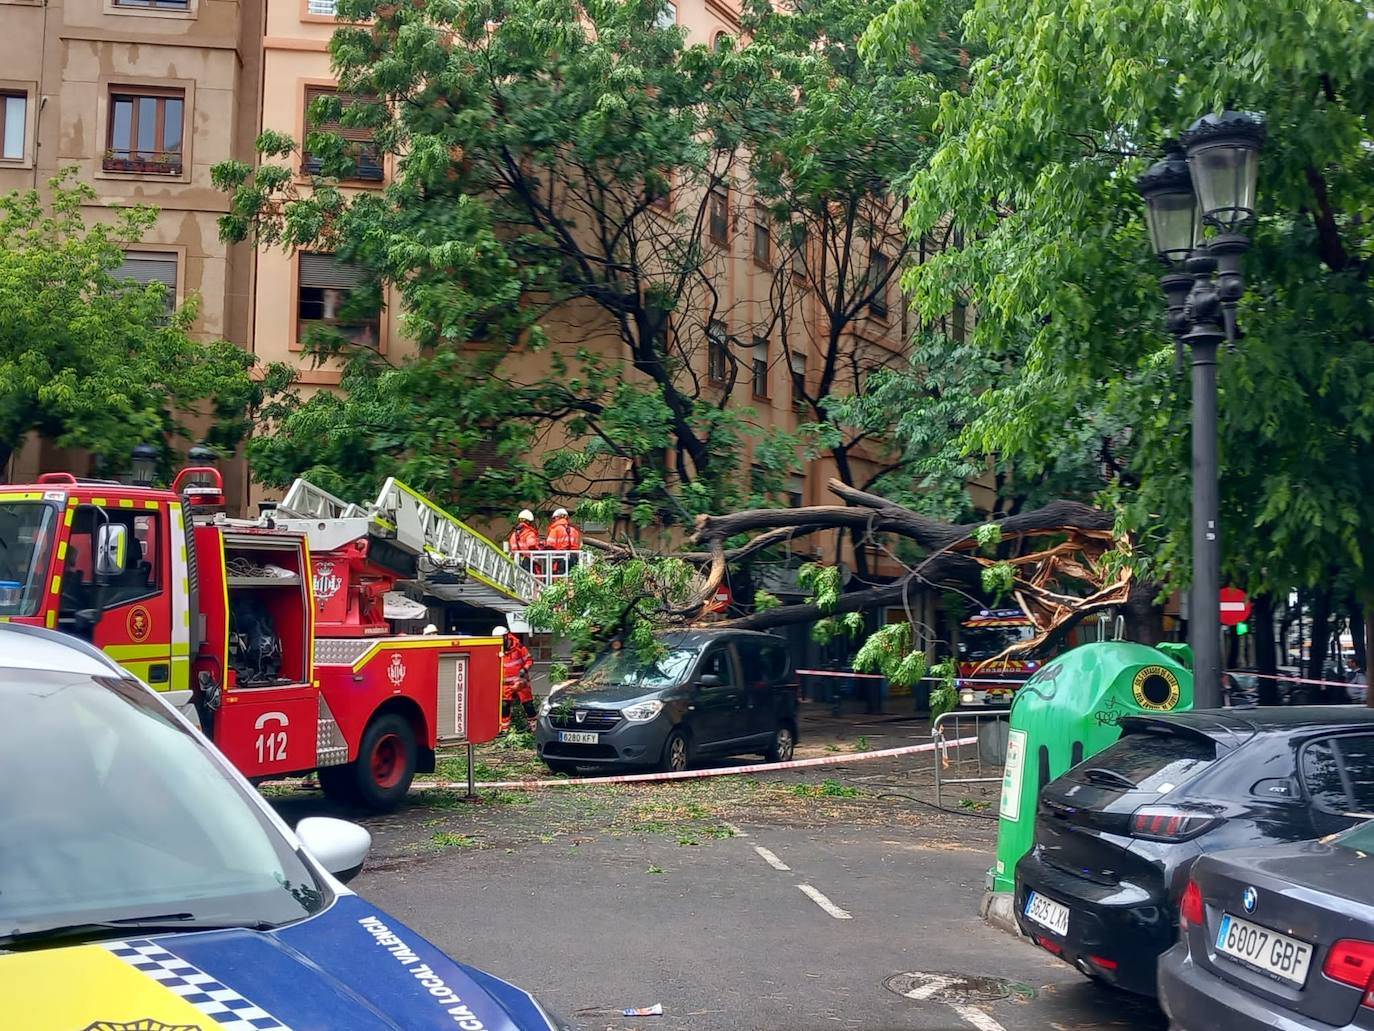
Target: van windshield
27,529
626,667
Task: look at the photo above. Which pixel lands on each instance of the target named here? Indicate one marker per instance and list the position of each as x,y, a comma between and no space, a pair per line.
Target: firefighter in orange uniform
563,536
523,539
516,664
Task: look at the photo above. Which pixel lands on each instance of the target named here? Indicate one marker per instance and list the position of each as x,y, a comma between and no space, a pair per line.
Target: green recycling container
1071,709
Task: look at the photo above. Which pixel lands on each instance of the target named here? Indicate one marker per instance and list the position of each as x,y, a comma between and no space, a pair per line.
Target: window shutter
798,362
144,267
354,133
325,270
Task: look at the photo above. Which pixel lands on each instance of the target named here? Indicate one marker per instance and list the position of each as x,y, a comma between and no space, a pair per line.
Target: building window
718,215
717,41
159,5
144,267
145,131
760,367
322,8
796,490
878,270
801,237
14,109
763,241
322,293
716,358
667,16
361,149
798,362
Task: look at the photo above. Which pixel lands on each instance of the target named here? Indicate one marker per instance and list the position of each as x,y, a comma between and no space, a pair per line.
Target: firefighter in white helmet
516,665
563,536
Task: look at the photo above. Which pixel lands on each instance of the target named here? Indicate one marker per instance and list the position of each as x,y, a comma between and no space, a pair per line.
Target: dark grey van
712,692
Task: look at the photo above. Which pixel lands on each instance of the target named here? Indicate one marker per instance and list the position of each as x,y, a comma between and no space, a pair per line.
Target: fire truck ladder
454,562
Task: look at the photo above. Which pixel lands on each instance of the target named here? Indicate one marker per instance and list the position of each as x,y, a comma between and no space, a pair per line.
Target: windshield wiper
1100,776
95,929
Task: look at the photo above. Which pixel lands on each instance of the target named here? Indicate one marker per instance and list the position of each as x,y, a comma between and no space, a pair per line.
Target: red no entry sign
1235,606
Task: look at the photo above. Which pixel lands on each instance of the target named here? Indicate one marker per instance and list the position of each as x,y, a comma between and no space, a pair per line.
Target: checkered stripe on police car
228,1008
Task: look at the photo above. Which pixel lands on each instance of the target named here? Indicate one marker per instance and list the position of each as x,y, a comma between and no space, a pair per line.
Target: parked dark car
1279,937
711,692
1116,836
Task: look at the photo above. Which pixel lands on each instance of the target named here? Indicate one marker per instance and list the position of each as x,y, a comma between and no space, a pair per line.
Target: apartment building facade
141,98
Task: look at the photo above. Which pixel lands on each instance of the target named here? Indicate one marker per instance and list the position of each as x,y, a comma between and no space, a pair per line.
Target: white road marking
824,903
976,1017
933,984
733,829
772,860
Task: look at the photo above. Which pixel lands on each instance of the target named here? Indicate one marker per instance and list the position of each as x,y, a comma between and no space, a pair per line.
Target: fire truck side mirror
111,549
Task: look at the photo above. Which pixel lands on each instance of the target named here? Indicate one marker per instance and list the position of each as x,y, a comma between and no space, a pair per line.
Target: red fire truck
273,632
985,680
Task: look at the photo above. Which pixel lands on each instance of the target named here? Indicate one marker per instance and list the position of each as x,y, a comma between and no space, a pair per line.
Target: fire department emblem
327,582
139,624
396,672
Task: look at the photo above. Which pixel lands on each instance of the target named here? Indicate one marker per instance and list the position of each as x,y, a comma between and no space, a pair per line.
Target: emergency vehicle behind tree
273,632
988,677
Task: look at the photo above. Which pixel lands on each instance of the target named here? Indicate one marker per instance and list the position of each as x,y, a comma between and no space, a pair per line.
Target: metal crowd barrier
983,759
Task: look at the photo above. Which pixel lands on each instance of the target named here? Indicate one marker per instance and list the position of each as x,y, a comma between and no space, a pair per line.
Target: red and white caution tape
1284,679
722,771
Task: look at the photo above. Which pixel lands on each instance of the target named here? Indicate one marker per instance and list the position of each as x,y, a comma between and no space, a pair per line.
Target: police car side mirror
339,846
111,549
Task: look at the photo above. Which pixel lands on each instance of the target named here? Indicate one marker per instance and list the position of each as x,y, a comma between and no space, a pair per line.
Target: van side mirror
111,549
708,680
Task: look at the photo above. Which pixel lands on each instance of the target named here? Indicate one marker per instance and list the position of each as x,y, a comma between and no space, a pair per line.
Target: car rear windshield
1149,760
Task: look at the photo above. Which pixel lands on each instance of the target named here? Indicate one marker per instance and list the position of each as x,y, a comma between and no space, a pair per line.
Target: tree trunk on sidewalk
1144,618
1319,636
1266,657
1357,633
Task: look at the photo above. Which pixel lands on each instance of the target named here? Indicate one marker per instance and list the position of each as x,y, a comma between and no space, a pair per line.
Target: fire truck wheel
386,762
677,753
339,784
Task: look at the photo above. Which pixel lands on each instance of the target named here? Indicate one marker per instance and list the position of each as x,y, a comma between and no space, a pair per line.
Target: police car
145,886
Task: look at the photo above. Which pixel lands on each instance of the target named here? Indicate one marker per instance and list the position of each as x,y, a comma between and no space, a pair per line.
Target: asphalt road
780,928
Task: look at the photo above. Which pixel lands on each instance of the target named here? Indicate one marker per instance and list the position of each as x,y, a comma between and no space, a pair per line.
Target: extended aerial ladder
449,559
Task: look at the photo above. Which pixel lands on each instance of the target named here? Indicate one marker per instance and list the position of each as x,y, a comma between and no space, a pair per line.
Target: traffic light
1242,629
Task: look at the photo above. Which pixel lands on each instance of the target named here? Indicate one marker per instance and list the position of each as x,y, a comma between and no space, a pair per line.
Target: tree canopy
1038,160
90,361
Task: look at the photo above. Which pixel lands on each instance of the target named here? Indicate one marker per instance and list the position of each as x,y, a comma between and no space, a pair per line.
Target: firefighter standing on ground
516,664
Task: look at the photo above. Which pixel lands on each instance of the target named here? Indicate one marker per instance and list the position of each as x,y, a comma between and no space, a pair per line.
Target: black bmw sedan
1116,836
1277,938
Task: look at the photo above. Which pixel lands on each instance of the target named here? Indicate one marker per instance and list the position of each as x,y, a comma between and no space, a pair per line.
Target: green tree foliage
1068,103
553,164
92,362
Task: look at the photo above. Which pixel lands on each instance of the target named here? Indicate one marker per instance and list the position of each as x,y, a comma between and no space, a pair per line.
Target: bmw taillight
1171,822
1352,962
1190,911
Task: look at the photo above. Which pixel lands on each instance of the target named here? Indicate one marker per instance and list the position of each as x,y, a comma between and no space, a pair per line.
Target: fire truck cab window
142,575
978,644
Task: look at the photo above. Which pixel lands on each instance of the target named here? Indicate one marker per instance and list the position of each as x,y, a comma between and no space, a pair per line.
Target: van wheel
784,743
677,753
386,762
339,784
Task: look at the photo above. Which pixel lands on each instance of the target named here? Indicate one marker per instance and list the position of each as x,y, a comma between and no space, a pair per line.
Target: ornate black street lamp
143,465
1212,186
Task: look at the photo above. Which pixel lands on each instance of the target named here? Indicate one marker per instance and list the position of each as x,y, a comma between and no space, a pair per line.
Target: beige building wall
66,59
